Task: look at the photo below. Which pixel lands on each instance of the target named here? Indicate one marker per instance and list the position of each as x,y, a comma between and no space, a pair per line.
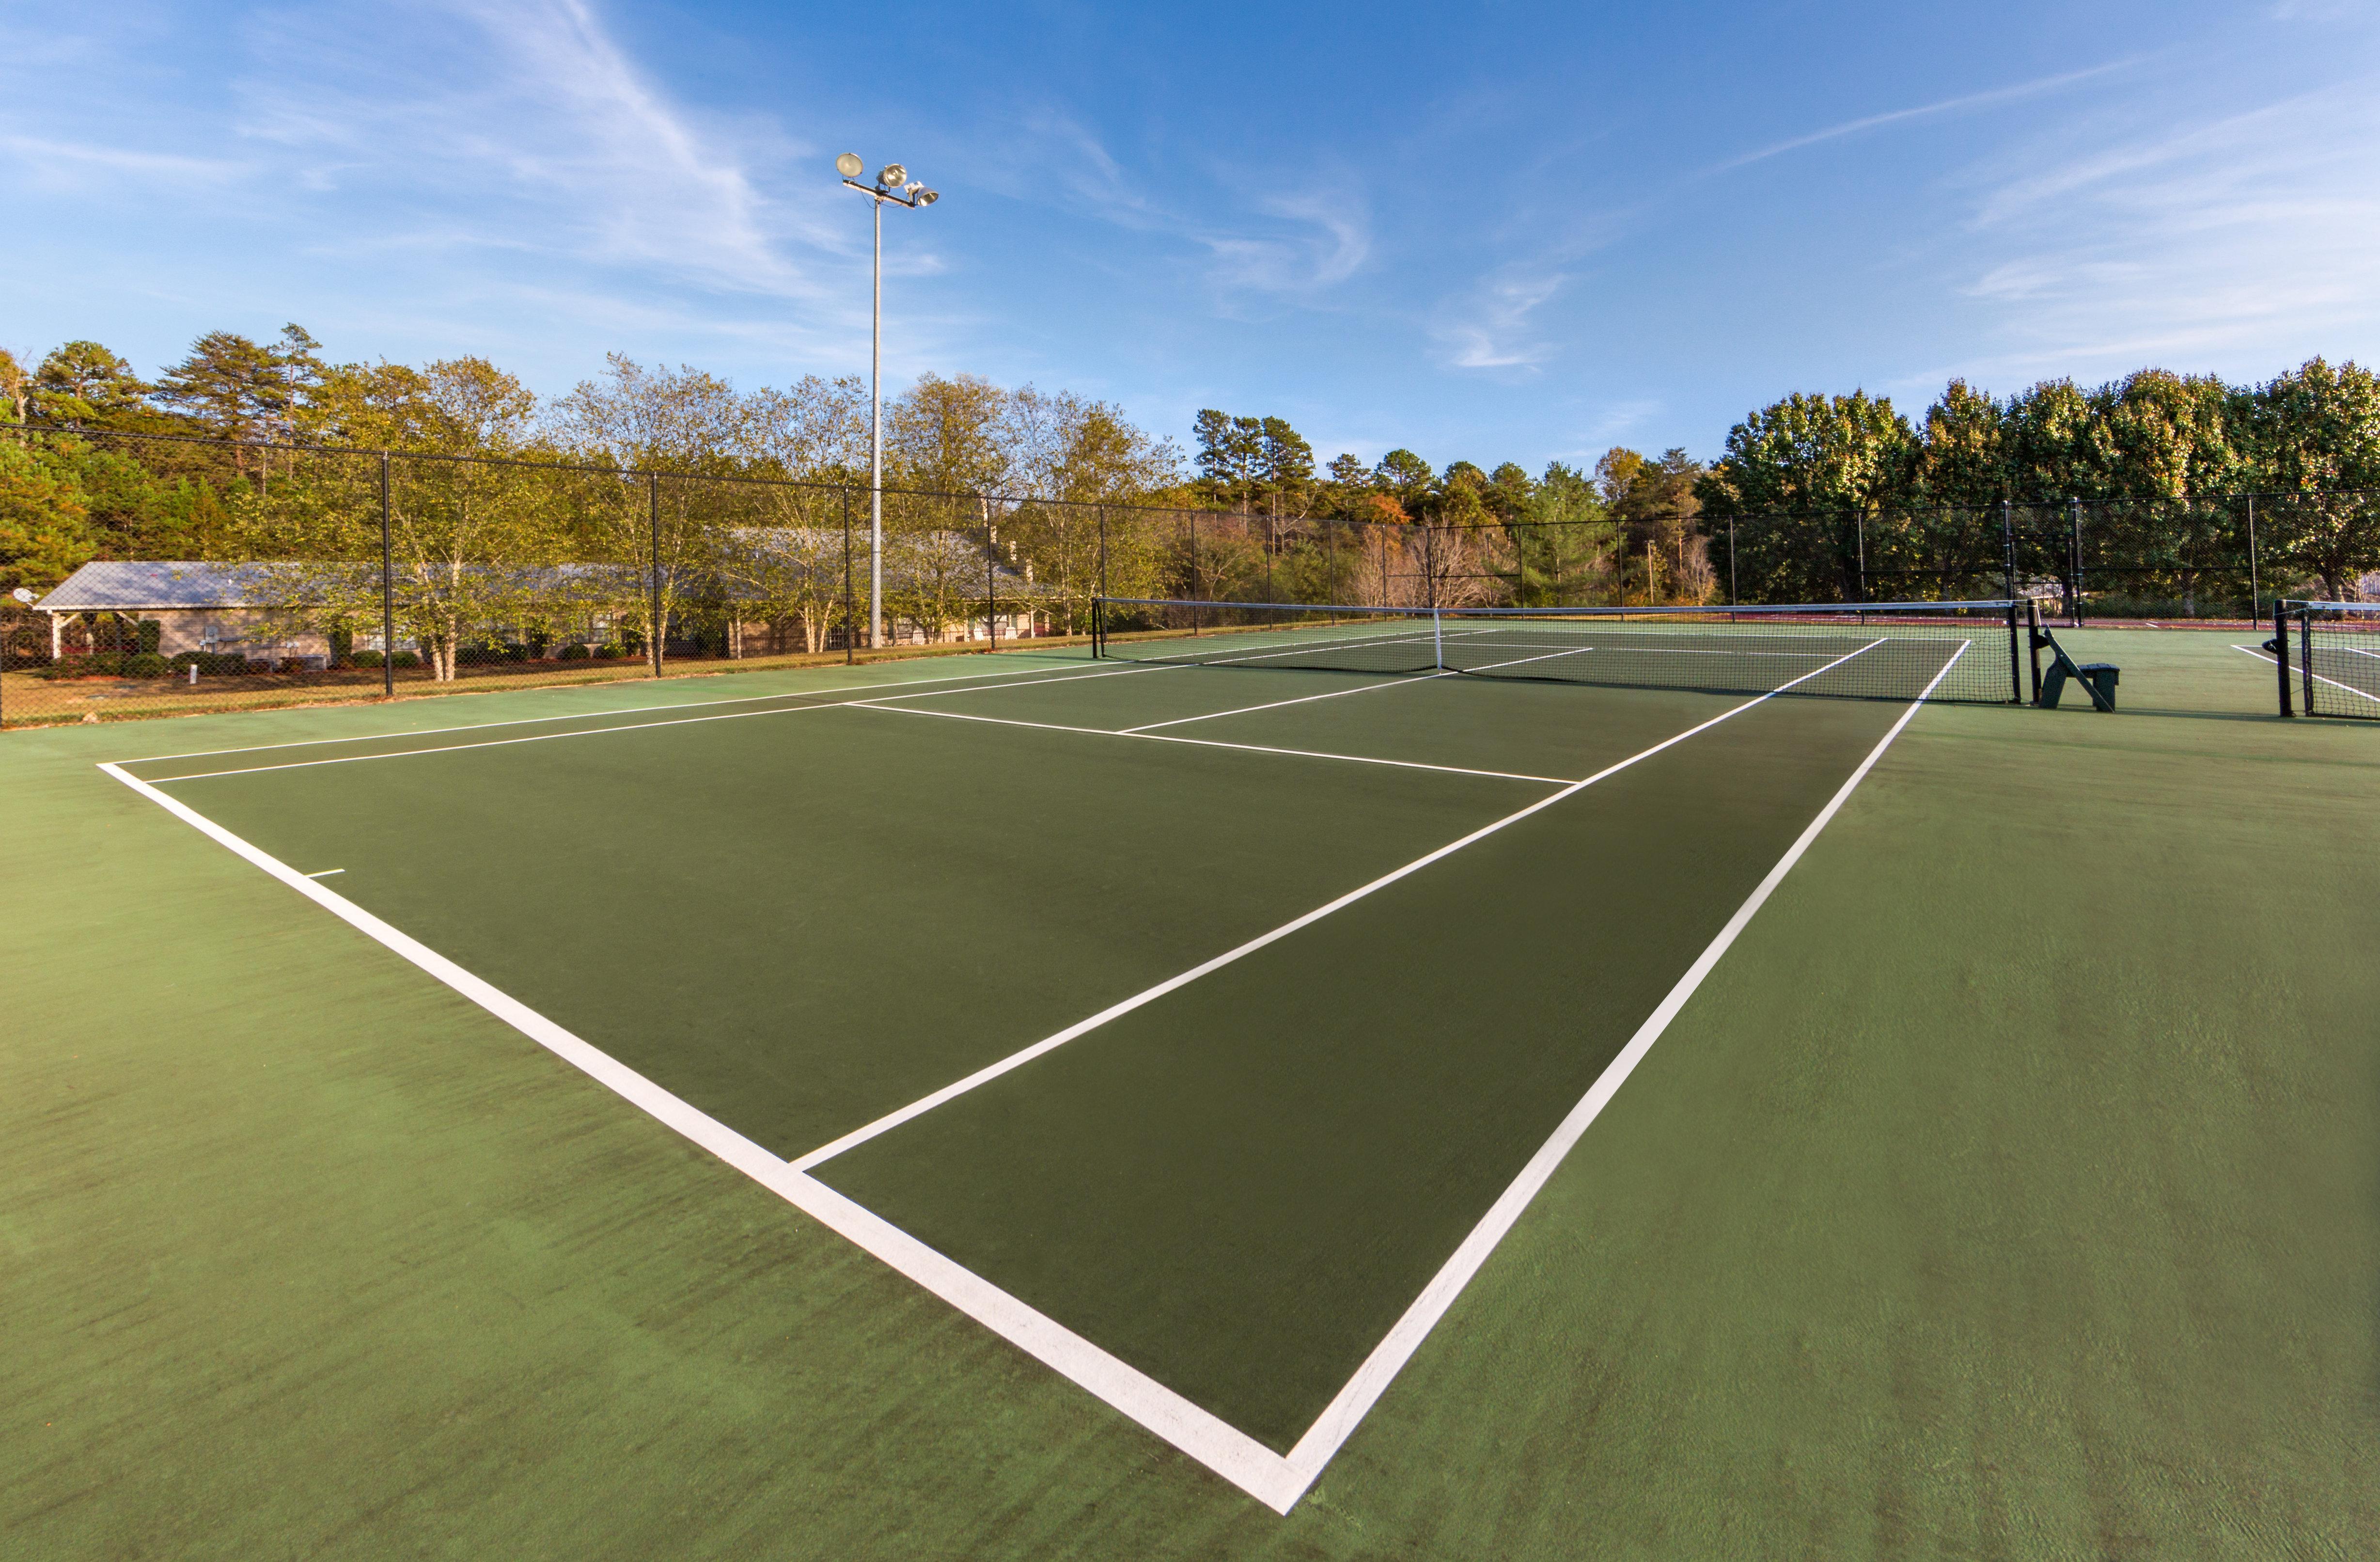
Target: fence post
2256,587
1195,614
1731,599
850,624
2074,564
1429,580
991,562
388,593
653,507
2007,548
1272,524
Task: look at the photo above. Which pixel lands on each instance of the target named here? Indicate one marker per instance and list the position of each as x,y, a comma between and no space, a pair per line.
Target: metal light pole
892,184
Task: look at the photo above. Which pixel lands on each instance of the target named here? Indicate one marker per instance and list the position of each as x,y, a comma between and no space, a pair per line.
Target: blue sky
1492,232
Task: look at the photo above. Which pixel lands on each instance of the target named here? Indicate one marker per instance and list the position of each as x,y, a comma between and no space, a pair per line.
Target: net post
1099,651
991,563
2305,657
2033,641
387,591
2281,652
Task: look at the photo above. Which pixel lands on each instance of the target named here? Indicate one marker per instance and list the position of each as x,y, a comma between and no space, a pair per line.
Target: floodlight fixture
22,594
893,176
849,164
927,197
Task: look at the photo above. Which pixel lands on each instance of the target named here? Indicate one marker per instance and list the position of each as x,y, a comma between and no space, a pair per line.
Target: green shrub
149,633
608,651
574,653
210,663
407,659
145,665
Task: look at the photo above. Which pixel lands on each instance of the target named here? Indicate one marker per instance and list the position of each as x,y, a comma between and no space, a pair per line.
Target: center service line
858,1136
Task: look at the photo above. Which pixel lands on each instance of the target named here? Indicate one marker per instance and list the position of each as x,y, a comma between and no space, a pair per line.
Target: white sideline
1205,1437
588,716
2258,653
1339,1419
1210,742
1083,1027
1273,1480
624,727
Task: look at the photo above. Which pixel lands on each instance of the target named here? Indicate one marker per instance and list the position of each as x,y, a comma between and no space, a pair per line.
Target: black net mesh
1965,651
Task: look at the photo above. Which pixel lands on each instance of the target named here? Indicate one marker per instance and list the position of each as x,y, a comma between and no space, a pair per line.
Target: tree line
67,497
1824,497
1817,497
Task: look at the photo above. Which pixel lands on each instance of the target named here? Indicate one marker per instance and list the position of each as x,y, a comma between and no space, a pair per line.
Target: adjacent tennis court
1203,1044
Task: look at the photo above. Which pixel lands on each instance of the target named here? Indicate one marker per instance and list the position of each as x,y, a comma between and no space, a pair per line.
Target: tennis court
1204,1050
1036,1105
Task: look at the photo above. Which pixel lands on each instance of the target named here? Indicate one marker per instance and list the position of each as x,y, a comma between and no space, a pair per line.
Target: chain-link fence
270,574
307,574
2222,559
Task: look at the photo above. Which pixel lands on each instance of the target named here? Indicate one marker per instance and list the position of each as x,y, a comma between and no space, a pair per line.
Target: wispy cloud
1491,327
80,165
2253,231
1609,424
1244,244
533,117
1924,111
1338,241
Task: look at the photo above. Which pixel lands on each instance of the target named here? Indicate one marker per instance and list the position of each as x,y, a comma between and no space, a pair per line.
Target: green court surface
1035,1106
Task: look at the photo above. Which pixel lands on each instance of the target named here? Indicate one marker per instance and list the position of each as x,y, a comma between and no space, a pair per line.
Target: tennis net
2331,650
1965,650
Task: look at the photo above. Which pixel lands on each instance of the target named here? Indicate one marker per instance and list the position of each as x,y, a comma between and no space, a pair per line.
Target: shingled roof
122,586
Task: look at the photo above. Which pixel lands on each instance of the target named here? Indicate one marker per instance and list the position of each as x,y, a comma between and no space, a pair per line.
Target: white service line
327,873
1301,700
1208,1438
1276,1481
1115,1011
1210,743
590,715
2258,653
624,727
1340,1418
